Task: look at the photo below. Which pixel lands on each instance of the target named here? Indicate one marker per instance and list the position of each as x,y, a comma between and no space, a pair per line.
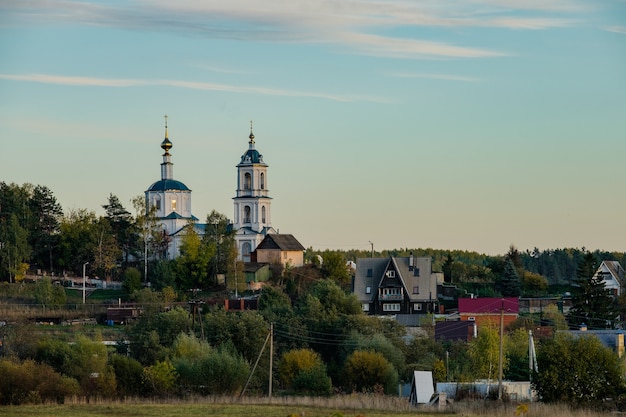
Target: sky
471,125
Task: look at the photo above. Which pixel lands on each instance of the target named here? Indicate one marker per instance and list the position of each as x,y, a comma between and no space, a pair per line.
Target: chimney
411,261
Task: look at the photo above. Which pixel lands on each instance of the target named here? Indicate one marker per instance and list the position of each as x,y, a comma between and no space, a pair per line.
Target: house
610,338
256,274
612,273
485,311
454,330
280,249
396,285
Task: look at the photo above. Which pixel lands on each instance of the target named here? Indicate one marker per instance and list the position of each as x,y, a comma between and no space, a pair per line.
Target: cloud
446,77
193,85
356,25
616,29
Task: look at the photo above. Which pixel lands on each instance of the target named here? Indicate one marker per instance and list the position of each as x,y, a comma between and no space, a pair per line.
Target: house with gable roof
612,273
489,310
396,285
281,249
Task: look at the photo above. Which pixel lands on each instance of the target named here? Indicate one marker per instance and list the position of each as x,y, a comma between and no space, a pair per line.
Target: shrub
365,370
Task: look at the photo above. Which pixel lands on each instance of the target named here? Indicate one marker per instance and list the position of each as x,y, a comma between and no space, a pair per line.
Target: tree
78,240
484,352
152,238
193,262
48,294
107,251
128,374
368,371
14,248
578,371
334,268
121,222
592,302
44,233
132,280
220,238
509,282
447,268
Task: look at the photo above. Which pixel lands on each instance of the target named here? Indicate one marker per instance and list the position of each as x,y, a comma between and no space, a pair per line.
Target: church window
247,181
246,214
173,205
157,203
263,214
262,181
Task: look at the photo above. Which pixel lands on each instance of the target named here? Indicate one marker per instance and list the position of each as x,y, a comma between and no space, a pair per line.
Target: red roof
489,305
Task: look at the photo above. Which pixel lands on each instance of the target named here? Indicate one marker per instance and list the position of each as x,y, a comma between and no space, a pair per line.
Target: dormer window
391,274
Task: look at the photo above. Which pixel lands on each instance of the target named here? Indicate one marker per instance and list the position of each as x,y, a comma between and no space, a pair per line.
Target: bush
303,371
366,371
128,374
30,382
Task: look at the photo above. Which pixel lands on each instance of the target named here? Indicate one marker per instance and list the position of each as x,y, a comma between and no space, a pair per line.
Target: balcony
390,297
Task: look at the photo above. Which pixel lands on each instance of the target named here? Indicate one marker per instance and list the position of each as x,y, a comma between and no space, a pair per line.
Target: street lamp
84,280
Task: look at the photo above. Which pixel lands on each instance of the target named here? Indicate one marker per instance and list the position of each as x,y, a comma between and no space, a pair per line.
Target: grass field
340,406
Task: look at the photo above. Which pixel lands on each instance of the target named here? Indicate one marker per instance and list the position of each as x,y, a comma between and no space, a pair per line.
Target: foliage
30,382
132,280
579,371
592,302
193,262
377,343
246,331
365,371
153,334
159,380
516,351
334,268
48,294
508,283
128,374
293,361
223,371
484,352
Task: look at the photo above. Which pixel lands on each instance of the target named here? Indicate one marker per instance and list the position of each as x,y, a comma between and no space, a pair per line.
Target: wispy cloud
194,85
356,25
433,76
616,29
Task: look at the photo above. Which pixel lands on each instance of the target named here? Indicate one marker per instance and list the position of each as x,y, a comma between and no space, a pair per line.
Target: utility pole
501,351
84,279
271,358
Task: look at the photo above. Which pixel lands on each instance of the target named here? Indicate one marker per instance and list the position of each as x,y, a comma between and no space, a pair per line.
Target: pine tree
592,302
509,282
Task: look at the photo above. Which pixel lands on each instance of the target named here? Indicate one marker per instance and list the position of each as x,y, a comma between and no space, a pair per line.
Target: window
263,214
369,272
391,307
417,307
158,203
416,290
246,214
392,291
262,181
247,181
471,318
416,272
173,205
368,290
391,274
365,307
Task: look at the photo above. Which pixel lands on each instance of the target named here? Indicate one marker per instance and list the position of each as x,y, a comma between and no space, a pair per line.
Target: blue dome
168,185
252,156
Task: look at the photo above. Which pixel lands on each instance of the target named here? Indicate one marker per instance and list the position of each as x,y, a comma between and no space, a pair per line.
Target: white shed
422,387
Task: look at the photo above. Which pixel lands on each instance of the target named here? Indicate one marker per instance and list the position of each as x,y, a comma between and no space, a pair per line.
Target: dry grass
357,405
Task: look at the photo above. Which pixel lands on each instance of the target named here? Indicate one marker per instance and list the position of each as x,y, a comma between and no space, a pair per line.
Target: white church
252,203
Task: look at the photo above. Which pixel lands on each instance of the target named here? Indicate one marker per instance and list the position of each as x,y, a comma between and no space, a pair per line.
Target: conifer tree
592,302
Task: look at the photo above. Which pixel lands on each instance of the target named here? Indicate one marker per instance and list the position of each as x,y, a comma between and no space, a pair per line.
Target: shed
422,387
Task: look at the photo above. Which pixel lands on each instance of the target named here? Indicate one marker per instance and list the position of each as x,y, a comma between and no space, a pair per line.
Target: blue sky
453,125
